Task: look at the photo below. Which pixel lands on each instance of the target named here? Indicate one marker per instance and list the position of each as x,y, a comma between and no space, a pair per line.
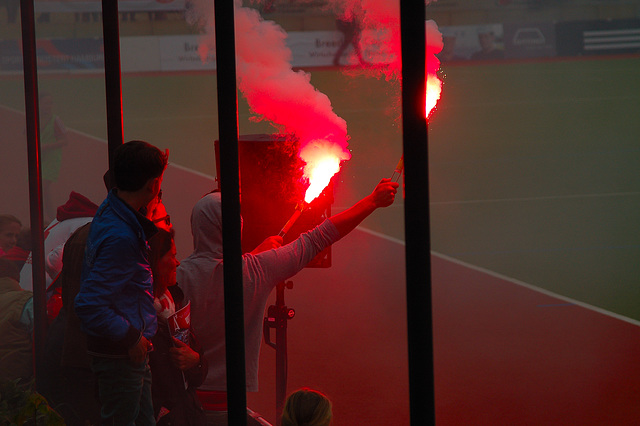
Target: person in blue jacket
115,301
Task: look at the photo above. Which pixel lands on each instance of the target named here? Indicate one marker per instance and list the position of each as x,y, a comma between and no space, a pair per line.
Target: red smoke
381,22
288,100
276,93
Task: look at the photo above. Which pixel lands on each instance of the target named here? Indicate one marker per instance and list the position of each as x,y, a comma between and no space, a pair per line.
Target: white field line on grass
544,101
508,200
511,280
538,289
544,197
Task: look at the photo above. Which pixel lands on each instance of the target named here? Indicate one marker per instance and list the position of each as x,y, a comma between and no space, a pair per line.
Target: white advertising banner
139,54
173,53
163,53
318,48
180,53
314,48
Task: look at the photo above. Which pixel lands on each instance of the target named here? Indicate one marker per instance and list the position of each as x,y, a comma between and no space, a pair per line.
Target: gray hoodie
200,276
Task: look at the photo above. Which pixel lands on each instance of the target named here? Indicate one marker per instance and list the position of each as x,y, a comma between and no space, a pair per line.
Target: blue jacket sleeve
101,290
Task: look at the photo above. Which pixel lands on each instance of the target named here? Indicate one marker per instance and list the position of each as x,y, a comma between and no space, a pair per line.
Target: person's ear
153,185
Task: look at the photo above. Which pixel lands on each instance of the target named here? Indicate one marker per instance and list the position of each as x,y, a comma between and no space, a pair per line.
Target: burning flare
434,87
434,84
322,159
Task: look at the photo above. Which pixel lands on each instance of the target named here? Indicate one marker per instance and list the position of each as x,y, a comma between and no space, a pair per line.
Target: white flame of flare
433,45
434,88
322,162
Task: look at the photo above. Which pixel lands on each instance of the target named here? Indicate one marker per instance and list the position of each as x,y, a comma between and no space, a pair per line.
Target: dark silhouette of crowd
136,336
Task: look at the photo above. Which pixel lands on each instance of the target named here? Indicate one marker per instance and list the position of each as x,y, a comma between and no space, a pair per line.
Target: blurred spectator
76,212
448,52
20,252
350,25
307,407
9,230
488,49
12,7
67,382
53,137
16,326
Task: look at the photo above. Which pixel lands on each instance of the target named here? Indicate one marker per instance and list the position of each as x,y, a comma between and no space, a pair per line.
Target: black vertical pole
112,78
29,58
281,351
230,189
418,256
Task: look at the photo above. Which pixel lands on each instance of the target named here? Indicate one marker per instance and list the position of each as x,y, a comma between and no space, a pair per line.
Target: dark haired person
307,407
177,364
115,301
10,227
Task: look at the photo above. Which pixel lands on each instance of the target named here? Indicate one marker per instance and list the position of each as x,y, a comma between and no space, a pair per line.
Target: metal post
281,349
418,256
230,189
29,58
112,77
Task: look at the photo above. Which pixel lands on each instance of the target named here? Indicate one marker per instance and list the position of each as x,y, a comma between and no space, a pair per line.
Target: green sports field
534,166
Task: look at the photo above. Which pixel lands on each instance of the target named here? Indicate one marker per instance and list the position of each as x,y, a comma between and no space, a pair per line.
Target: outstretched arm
382,196
269,243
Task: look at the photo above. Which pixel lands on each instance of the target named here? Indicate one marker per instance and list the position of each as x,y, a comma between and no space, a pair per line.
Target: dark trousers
124,389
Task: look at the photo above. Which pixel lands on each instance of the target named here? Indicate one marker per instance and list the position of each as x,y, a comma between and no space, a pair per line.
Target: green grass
535,175
533,166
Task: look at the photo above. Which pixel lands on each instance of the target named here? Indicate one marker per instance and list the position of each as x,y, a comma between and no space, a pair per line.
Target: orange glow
319,171
434,87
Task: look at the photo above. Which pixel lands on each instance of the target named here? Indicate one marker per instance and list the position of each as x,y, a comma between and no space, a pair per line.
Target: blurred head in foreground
307,407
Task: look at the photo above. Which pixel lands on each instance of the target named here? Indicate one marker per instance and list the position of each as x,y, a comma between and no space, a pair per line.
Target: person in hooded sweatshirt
201,278
76,212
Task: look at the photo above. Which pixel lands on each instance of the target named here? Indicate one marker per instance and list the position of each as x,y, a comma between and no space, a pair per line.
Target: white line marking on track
512,280
537,289
544,197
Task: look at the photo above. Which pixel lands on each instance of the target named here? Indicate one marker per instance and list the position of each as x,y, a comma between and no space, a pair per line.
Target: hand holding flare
296,214
398,171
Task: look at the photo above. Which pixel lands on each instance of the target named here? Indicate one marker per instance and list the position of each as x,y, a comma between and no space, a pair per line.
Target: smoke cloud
274,91
381,34
287,99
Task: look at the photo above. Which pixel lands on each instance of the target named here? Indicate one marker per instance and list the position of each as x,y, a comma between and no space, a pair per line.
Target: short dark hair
135,162
307,407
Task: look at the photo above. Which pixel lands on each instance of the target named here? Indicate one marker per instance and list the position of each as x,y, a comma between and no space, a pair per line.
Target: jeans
125,392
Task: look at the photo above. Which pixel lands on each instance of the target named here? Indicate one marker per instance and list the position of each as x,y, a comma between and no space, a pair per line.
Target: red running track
505,354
